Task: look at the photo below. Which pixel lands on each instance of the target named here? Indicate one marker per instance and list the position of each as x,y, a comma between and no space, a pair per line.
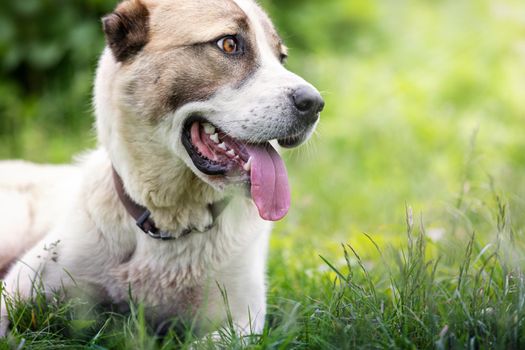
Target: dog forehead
269,41
184,22
256,14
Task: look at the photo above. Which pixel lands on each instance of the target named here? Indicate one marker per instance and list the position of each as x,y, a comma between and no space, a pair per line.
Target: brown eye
229,45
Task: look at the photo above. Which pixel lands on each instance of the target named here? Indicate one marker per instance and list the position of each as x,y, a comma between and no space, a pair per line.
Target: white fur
86,238
95,236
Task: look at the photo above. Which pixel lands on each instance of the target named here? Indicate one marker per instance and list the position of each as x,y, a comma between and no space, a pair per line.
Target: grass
425,108
416,296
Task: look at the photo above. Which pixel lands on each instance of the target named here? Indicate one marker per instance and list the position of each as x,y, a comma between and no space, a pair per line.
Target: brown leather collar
142,215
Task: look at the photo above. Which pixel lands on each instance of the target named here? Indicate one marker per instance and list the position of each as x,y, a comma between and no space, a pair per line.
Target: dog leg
25,278
19,284
248,316
4,320
242,286
242,301
243,325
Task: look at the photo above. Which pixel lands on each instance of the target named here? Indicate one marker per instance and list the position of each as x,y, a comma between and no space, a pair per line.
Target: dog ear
127,29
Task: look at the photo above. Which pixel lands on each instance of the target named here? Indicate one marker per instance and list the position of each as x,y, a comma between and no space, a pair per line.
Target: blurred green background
425,107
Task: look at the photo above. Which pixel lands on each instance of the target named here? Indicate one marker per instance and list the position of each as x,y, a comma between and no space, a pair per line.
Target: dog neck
144,220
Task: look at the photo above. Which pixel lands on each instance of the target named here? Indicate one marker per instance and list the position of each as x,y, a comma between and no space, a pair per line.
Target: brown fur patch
127,29
182,63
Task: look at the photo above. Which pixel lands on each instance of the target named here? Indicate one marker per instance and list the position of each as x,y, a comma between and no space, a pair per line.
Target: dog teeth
215,138
231,153
208,128
223,146
248,165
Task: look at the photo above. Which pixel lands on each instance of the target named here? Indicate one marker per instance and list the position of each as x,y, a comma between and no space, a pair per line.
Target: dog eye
283,57
229,44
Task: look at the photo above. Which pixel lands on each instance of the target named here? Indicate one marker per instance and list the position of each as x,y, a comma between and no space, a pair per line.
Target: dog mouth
219,155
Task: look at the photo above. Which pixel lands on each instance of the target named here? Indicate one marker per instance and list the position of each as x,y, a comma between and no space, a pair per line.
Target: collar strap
142,215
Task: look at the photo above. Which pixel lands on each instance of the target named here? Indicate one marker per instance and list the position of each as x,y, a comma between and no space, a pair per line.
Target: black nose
308,101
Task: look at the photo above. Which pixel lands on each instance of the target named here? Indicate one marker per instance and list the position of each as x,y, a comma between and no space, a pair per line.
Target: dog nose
308,101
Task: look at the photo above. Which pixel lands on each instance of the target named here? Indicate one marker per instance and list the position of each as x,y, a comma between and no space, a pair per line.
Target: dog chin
296,140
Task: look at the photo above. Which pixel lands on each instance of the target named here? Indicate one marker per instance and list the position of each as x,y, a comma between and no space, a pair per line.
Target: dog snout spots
308,102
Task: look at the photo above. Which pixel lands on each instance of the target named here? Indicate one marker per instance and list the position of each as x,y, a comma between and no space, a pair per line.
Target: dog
176,204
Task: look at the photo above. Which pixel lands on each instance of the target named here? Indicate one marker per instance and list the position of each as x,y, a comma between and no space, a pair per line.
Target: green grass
425,109
415,296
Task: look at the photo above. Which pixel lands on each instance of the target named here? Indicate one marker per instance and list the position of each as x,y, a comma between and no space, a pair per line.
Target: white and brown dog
176,202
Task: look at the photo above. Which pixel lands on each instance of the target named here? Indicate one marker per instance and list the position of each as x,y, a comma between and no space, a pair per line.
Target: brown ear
127,29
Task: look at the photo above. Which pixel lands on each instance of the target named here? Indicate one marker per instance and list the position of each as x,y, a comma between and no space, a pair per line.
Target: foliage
48,52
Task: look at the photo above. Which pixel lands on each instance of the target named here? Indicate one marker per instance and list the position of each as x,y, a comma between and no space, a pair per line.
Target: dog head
202,82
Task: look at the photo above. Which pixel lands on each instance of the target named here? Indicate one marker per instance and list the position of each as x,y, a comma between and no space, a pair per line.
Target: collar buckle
142,220
148,227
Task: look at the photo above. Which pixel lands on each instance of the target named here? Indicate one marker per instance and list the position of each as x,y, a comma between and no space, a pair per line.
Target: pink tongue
270,189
